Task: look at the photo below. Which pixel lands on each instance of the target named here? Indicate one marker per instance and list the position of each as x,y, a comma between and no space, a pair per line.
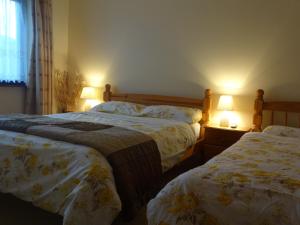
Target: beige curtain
39,88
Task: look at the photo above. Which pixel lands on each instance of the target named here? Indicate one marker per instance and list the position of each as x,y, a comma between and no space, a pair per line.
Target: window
13,41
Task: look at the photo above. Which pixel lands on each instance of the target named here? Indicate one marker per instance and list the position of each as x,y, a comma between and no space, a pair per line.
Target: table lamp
225,105
90,94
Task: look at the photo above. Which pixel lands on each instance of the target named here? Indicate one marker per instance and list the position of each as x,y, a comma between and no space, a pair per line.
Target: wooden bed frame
274,106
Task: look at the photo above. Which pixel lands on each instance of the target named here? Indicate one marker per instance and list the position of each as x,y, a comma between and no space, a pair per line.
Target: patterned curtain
39,86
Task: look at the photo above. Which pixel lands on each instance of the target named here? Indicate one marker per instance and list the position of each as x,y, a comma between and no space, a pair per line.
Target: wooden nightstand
218,139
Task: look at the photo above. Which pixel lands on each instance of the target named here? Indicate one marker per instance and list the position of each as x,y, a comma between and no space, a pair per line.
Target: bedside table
217,139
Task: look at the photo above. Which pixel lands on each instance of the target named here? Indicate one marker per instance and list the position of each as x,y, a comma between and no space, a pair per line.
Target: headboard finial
107,93
205,110
207,93
258,109
260,93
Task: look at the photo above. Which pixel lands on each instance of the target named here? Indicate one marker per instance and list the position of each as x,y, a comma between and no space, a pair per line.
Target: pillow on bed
283,131
124,108
184,114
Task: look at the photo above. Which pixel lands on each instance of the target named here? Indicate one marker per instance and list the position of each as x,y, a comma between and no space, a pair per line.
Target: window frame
12,84
19,82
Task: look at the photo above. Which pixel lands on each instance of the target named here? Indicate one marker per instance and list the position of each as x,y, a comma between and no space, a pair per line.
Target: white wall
60,38
180,47
11,100
60,33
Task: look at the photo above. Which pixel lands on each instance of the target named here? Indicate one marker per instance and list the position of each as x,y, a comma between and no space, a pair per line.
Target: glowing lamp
225,105
91,96
89,93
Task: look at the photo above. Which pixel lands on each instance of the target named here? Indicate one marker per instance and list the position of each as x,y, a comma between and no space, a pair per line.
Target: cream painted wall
11,100
60,33
60,37
180,47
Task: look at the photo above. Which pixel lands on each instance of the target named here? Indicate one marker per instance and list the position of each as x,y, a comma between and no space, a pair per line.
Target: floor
140,219
20,213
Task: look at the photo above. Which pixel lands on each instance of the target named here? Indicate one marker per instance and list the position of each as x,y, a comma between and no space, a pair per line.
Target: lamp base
233,126
224,122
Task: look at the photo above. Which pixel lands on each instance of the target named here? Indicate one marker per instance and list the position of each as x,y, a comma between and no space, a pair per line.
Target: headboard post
205,110
258,111
107,93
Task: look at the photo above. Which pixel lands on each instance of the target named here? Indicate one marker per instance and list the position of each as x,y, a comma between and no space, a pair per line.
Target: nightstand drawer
216,140
210,151
222,137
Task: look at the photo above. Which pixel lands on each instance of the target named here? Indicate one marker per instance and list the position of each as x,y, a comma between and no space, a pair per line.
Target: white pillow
184,114
283,131
123,108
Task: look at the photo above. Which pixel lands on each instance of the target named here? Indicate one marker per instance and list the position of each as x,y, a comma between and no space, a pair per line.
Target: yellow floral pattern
184,114
123,108
74,181
283,131
256,181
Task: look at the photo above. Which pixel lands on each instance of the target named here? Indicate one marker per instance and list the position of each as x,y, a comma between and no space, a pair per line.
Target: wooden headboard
145,99
273,106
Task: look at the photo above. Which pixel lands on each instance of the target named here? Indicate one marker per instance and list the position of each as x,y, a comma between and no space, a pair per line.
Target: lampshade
89,93
225,103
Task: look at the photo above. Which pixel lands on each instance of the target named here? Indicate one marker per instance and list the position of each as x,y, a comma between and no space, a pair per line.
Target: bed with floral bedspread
74,180
254,182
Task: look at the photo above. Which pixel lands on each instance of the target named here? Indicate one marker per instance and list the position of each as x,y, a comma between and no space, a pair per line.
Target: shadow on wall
277,70
178,78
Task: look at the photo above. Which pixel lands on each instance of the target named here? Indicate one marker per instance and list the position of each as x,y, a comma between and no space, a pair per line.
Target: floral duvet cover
76,181
254,182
